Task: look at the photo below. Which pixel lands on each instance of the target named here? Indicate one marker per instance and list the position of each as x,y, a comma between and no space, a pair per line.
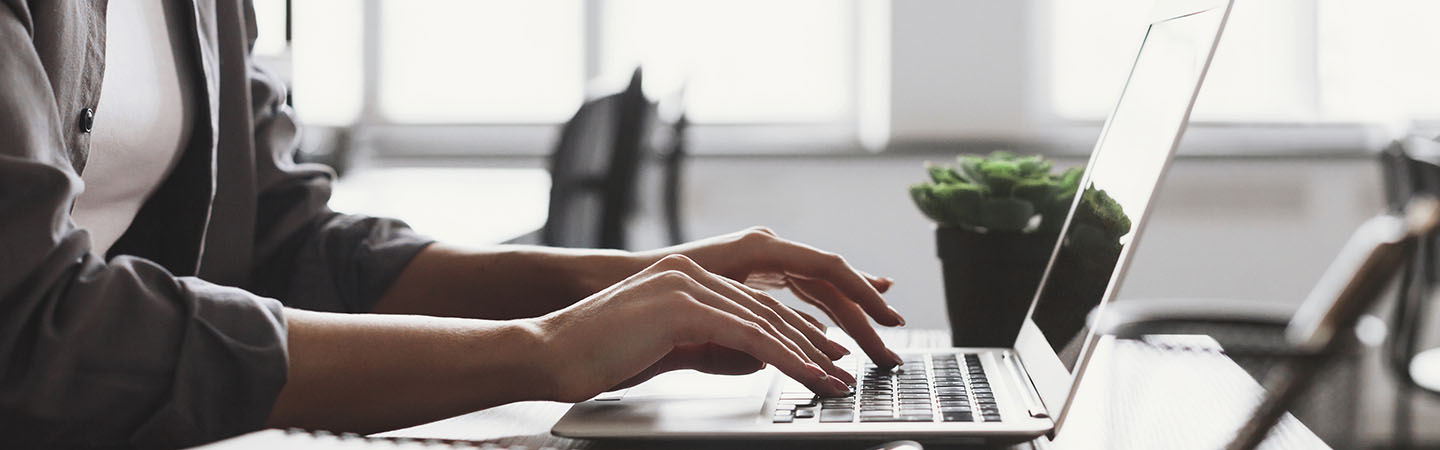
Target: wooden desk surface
1137,395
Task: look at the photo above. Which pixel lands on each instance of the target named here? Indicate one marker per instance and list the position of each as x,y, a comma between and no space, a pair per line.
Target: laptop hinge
1033,404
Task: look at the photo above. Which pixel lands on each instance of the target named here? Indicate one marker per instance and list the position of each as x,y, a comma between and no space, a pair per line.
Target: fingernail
895,357
847,378
839,386
896,314
840,348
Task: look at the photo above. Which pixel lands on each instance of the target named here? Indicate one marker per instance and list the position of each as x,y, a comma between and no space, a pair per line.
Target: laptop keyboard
934,387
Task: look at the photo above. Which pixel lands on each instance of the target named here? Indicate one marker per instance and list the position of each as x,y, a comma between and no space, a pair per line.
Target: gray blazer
177,336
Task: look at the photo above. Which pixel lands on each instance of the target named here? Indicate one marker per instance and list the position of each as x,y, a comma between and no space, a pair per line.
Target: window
739,60
328,61
481,61
1378,59
1296,61
484,62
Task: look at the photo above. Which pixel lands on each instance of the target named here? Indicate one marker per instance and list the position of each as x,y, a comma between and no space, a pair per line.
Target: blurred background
813,116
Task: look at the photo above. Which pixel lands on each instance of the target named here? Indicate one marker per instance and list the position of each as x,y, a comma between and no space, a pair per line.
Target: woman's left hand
763,260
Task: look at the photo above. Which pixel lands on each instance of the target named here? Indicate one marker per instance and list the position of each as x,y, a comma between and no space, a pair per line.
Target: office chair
1252,334
596,169
1410,166
1317,382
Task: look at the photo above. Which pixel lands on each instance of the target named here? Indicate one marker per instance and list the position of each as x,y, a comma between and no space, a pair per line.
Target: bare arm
503,281
370,373
508,281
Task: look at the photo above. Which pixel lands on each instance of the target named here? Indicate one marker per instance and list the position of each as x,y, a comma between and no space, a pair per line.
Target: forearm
369,373
503,281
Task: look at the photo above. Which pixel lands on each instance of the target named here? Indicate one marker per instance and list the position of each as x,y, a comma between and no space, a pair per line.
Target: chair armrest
1252,332
1134,318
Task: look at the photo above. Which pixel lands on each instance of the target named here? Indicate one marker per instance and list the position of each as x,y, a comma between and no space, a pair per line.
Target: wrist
525,357
604,268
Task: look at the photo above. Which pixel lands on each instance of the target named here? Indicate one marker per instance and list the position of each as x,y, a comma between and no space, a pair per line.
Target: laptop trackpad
691,385
683,399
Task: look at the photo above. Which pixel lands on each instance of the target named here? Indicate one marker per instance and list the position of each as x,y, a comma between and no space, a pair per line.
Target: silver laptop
969,394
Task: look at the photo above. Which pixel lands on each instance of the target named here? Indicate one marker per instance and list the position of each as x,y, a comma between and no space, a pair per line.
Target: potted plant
997,220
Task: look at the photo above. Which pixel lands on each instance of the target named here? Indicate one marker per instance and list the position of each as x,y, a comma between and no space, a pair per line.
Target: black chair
1253,333
1410,167
597,165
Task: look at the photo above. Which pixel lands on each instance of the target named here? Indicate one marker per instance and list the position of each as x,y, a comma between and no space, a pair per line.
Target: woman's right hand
675,315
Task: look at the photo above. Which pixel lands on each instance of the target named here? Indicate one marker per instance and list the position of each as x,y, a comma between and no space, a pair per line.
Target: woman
169,276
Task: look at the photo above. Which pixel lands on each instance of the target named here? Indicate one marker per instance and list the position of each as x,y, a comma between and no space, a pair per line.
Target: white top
143,120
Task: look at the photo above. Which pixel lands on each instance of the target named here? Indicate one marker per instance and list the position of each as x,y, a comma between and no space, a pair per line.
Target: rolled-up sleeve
306,254
118,353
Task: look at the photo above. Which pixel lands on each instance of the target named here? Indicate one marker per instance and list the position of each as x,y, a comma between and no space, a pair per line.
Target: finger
811,338
710,296
813,321
807,298
762,305
881,284
740,300
807,262
713,325
814,334
765,281
724,361
852,319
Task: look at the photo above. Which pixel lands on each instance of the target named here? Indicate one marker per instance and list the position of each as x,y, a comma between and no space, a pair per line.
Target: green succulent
1001,192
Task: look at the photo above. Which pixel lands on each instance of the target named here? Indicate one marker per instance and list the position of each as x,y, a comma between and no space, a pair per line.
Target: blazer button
87,120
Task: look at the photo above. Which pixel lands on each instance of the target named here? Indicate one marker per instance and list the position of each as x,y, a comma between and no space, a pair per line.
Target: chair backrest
1410,167
596,165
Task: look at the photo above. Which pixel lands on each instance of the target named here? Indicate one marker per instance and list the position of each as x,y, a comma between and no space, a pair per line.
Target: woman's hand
763,260
676,315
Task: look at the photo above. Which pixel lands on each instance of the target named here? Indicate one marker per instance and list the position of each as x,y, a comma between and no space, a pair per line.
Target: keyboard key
957,417
804,413
897,419
837,415
784,416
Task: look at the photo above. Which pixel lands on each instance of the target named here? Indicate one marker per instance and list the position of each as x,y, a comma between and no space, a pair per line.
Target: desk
462,206
1138,395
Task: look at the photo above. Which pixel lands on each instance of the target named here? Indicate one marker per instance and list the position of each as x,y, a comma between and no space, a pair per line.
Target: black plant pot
990,280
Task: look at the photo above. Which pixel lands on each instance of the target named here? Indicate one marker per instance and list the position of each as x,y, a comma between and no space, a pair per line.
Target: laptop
988,395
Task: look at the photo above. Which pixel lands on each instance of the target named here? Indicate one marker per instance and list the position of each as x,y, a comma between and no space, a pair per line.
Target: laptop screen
1125,168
